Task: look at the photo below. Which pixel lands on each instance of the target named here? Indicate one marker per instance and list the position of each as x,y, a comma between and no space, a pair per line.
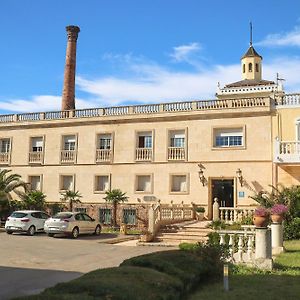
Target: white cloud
291,38
183,53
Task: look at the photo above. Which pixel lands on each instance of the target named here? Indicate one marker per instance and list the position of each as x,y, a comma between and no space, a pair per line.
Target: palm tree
71,197
34,200
10,183
115,196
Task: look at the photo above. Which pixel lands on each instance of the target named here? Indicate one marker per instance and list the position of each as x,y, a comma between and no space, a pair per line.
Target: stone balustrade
289,99
198,105
176,153
68,156
103,155
235,214
143,154
287,151
4,157
36,157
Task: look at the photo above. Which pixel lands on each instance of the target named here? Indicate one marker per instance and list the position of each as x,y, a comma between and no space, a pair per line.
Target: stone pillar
277,238
216,213
68,97
151,220
263,250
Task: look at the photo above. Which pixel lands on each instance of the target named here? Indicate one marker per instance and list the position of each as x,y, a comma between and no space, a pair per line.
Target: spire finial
250,33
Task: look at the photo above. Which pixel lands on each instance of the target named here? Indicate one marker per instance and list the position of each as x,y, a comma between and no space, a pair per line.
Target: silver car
72,223
29,221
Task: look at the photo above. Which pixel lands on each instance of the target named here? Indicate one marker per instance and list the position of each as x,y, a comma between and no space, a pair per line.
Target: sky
140,51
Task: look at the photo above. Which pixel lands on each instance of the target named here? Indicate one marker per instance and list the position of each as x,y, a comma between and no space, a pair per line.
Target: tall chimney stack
68,97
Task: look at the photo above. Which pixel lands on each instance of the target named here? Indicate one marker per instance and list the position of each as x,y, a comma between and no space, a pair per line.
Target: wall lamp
239,176
201,174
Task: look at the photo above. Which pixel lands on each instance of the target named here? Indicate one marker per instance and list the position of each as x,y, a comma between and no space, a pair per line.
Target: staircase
187,232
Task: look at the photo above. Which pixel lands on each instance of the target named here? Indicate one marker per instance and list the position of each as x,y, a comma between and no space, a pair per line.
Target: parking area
28,264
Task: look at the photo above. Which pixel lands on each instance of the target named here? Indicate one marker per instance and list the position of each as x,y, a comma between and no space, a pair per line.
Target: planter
200,216
123,229
146,237
260,222
277,218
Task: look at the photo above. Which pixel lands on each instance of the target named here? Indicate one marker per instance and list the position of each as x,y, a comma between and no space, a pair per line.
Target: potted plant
146,236
278,212
200,212
261,217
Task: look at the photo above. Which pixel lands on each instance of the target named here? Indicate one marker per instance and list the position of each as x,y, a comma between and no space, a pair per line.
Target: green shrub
188,246
291,229
200,209
183,265
217,225
213,238
118,284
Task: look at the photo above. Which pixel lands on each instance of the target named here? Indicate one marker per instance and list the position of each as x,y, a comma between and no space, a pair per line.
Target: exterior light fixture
201,174
239,176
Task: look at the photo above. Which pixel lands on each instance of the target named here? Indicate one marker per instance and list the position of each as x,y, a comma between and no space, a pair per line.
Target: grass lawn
283,283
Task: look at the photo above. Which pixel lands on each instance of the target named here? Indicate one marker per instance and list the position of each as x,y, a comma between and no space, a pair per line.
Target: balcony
4,158
68,156
176,153
287,151
36,157
103,155
143,154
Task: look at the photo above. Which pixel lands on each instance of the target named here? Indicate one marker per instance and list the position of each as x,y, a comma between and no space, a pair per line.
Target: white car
29,221
72,223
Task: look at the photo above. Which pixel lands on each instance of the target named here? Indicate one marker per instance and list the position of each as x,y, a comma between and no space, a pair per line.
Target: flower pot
146,237
277,218
200,216
260,221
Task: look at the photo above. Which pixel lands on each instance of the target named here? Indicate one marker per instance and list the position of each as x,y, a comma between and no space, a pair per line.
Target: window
37,144
102,183
67,182
35,182
69,142
81,209
244,68
105,215
4,145
256,68
250,67
143,183
231,137
129,216
144,140
177,139
179,184
104,141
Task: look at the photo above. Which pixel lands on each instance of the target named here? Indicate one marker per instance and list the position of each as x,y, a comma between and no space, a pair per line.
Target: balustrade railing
68,156
4,157
241,244
234,214
164,214
143,154
36,157
103,155
288,99
149,109
176,153
287,151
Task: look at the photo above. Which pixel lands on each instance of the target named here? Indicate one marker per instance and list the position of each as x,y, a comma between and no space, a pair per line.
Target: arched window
256,68
250,67
244,68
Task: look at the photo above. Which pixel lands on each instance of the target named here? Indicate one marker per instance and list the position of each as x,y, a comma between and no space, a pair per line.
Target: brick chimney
68,97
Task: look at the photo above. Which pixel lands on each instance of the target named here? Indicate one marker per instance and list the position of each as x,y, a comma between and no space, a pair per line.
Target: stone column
216,213
277,238
68,97
263,250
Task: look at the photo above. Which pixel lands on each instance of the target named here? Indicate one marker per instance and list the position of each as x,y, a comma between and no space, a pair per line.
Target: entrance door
223,190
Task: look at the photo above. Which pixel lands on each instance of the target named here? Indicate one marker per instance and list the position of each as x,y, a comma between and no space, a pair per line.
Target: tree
71,197
115,196
34,200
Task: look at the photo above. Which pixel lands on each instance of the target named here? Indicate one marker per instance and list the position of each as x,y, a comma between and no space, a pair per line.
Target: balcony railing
287,151
36,157
176,153
103,155
143,154
4,157
68,156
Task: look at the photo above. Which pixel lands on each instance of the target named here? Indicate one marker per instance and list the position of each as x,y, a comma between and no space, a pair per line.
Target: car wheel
31,230
51,234
75,233
9,231
97,230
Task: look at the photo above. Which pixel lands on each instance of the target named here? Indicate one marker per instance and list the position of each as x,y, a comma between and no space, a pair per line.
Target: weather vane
250,33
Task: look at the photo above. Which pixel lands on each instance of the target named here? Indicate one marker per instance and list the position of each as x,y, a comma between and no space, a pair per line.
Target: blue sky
138,51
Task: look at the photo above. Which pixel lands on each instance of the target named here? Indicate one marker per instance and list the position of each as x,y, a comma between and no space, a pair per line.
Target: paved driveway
30,264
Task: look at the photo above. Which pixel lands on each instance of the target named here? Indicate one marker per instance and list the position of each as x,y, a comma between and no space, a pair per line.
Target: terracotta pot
277,218
200,216
259,221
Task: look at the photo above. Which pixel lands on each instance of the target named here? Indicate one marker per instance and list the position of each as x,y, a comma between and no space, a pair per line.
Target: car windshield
62,216
18,215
